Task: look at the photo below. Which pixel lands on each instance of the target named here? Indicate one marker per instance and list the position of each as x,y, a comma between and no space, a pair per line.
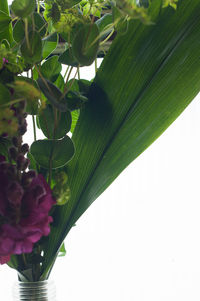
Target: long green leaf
146,80
6,34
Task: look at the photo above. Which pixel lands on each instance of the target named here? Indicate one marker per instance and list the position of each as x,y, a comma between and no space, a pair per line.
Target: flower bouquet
93,129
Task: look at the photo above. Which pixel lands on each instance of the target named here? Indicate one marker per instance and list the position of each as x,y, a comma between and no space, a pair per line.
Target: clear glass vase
34,291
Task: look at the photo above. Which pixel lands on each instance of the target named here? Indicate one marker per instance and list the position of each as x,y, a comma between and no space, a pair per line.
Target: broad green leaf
4,21
7,33
59,151
51,68
53,94
32,49
75,117
49,45
40,24
67,58
85,44
48,126
146,80
5,96
23,8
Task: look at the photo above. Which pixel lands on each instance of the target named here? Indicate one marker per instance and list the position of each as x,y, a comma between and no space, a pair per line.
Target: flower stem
34,128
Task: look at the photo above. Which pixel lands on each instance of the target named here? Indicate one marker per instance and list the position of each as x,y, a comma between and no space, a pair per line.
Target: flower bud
27,177
13,152
25,148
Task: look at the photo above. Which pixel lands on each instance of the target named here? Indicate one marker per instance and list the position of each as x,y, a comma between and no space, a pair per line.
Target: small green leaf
67,58
32,50
23,8
51,68
49,44
47,121
85,44
5,96
4,21
59,151
53,94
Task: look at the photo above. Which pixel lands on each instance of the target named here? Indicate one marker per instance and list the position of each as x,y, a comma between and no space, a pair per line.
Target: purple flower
24,212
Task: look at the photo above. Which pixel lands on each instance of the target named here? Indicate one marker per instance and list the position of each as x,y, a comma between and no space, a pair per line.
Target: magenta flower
24,211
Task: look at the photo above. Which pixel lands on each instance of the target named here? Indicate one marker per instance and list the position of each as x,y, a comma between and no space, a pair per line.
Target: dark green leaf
51,68
75,100
32,51
5,96
59,151
18,31
53,94
23,8
47,121
7,33
85,44
67,58
4,21
60,83
49,44
39,23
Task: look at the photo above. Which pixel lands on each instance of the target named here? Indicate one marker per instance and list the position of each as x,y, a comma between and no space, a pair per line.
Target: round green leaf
47,120
67,58
59,151
32,53
18,31
51,68
40,24
85,44
23,8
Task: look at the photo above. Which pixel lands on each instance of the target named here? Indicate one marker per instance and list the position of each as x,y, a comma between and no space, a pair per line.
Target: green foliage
54,129
54,153
31,48
5,96
4,21
51,68
67,58
85,44
23,8
53,94
146,80
49,44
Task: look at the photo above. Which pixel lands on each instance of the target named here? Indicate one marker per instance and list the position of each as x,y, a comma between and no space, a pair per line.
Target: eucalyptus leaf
23,8
51,68
53,94
60,152
48,126
85,44
67,58
32,49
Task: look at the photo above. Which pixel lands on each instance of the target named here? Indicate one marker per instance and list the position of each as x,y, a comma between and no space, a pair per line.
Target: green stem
34,128
95,64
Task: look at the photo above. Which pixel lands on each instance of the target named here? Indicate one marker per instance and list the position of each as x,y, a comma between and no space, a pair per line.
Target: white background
141,239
